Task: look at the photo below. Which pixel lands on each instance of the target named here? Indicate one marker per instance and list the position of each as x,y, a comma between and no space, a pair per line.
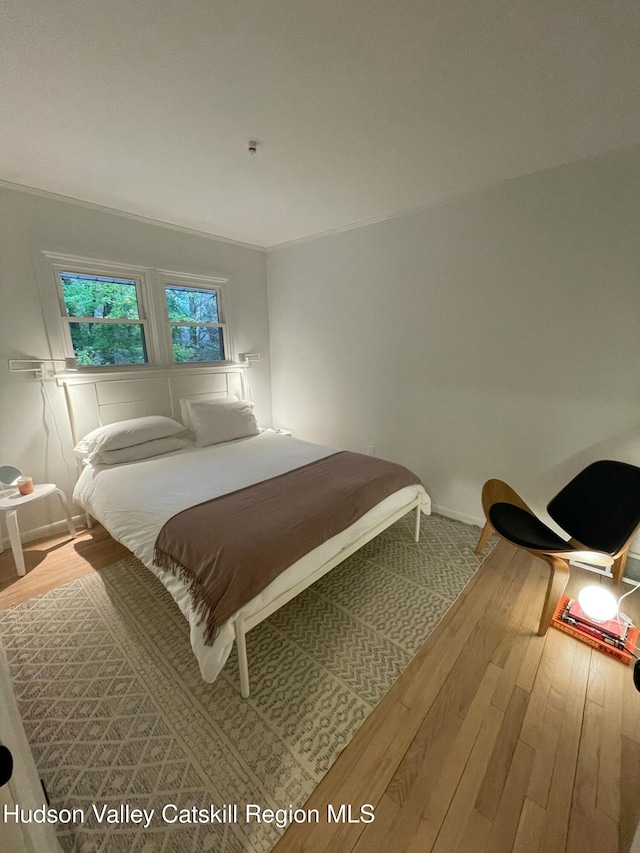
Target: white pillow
128,433
186,402
147,449
214,424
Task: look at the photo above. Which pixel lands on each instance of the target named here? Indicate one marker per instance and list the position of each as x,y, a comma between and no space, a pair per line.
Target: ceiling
361,108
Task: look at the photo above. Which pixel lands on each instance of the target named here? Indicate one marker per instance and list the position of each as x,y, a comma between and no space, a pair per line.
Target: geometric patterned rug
116,712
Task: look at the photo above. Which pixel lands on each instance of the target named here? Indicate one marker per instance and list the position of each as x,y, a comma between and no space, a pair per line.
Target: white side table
10,504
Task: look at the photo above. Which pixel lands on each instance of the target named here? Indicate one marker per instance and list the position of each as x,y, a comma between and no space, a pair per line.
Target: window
194,321
111,315
104,319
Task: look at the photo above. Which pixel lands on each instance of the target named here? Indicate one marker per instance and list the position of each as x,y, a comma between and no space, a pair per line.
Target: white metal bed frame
242,626
96,400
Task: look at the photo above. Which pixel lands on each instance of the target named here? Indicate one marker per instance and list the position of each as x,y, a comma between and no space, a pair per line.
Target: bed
134,500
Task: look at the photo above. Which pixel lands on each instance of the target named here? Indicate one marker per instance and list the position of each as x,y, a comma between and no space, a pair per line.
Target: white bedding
134,500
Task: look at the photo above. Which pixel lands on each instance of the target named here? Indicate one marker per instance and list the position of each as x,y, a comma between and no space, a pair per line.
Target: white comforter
134,500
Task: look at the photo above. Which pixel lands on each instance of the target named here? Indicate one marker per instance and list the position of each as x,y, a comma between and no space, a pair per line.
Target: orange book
588,634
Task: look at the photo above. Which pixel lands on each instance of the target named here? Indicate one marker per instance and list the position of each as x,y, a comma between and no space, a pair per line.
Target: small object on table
9,505
9,476
25,485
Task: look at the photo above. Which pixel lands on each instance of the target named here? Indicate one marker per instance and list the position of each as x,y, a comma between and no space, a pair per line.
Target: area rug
117,715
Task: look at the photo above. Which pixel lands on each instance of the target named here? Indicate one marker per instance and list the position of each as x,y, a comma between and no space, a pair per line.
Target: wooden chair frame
495,491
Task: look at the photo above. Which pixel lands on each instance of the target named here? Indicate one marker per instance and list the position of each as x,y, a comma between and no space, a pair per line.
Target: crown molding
363,223
352,226
146,220
587,160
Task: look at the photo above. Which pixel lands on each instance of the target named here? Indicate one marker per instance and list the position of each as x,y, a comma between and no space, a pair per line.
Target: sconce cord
636,668
625,595
45,394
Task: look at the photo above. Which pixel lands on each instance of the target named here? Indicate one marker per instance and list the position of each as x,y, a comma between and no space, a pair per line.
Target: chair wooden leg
487,530
618,566
557,582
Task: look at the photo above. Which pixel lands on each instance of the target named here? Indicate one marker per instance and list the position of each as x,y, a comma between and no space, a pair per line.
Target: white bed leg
243,664
89,520
416,535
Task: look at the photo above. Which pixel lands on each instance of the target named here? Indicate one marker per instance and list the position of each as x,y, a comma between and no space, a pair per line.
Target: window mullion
153,301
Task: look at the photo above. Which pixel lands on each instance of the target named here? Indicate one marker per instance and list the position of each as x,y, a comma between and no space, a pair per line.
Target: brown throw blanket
230,548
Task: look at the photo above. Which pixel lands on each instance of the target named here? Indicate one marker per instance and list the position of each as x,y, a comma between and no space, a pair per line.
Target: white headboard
96,400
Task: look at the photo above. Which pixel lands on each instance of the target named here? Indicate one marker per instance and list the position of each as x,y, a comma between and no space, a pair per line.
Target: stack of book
617,637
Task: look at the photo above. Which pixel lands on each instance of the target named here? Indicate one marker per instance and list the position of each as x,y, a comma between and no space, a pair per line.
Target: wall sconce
248,357
19,365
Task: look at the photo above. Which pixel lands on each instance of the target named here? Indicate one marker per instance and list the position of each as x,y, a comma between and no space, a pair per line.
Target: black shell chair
599,509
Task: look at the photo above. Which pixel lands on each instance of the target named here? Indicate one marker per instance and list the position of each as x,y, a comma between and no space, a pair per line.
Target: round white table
11,503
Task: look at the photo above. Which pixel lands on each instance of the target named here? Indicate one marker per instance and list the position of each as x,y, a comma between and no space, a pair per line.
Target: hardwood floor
56,561
493,739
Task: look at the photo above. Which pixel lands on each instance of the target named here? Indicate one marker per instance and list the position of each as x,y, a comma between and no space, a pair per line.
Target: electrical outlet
371,451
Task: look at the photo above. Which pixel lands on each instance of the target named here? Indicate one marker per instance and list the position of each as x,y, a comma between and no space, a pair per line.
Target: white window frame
166,279
111,271
152,307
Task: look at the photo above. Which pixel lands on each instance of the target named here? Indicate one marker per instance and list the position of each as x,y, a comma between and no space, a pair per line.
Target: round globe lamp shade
598,603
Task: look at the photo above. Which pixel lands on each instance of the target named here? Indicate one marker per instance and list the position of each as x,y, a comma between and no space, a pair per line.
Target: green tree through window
196,330
105,311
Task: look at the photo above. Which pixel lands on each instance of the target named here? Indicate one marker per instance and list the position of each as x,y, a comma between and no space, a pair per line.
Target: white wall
31,224
496,335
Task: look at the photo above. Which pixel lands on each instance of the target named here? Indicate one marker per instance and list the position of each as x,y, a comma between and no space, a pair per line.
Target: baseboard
45,530
60,526
458,516
479,522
